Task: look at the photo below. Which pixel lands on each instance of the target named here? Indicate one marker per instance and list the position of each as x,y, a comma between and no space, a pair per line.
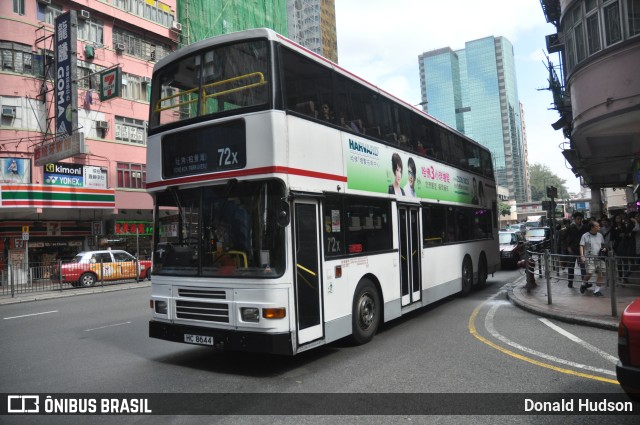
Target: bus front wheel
366,312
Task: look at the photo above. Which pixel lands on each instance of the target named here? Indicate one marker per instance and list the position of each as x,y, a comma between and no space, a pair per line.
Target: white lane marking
575,339
107,326
29,315
488,323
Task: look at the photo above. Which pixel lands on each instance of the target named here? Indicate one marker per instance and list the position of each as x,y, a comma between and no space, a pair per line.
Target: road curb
571,318
42,296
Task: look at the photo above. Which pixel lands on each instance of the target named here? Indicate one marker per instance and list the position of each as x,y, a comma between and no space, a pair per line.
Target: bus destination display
214,148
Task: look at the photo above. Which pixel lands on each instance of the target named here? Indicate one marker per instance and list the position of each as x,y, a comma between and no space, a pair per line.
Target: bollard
11,273
547,273
60,274
530,267
611,277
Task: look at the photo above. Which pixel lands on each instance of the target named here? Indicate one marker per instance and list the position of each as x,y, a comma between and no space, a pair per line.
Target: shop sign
62,174
141,228
95,177
169,230
96,228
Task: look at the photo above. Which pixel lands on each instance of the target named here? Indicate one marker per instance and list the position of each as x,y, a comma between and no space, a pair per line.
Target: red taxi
89,267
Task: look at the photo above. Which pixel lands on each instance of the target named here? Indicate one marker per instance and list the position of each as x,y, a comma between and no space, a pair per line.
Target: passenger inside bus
353,125
326,113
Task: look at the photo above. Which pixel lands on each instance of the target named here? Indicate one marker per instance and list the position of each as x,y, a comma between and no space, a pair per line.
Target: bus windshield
224,230
211,82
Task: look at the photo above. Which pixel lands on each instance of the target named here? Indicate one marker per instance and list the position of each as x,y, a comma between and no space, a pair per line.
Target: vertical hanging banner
68,141
66,26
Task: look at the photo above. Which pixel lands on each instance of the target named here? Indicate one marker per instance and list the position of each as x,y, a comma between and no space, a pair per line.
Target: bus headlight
250,314
160,307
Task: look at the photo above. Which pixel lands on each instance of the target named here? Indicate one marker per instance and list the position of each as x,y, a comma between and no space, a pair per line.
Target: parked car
512,248
539,238
628,367
518,227
89,267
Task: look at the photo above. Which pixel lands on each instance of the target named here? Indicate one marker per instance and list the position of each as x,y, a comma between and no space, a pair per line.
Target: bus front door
308,291
410,254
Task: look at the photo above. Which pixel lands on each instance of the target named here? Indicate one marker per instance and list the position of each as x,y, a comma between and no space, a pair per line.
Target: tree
541,177
503,208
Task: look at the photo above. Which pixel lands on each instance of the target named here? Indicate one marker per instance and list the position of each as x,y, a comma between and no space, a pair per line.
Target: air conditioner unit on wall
119,47
102,125
8,112
84,14
146,80
176,26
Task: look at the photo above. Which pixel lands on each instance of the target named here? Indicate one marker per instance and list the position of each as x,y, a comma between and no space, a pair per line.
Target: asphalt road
476,345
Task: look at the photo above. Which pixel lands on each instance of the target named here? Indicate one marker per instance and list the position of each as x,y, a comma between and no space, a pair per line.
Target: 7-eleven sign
110,83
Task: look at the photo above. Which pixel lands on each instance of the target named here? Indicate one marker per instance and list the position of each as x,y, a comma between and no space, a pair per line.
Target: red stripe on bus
245,173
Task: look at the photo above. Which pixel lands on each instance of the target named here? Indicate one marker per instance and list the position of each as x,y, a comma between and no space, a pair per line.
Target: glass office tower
474,91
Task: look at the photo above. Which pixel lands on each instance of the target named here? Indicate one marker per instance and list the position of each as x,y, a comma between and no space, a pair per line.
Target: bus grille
209,312
201,293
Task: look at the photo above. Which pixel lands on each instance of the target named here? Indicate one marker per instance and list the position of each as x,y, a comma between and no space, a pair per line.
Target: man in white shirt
590,245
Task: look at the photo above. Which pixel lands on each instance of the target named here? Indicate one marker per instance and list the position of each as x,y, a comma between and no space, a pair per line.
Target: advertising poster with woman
15,170
374,167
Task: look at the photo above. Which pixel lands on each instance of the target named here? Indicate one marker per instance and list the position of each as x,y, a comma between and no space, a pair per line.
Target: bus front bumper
224,340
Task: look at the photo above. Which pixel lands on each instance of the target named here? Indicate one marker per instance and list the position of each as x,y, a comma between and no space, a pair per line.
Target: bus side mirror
284,215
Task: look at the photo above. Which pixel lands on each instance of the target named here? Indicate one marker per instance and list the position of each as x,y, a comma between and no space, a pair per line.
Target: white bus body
286,237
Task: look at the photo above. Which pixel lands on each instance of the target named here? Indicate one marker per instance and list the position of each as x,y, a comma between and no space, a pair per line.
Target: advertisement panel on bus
378,168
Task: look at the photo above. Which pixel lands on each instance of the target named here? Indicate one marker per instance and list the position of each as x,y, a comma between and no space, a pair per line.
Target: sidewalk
568,305
72,292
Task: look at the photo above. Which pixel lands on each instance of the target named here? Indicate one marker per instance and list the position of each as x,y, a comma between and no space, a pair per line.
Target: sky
380,40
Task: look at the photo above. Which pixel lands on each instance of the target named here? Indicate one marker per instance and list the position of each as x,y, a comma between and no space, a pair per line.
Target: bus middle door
307,284
410,254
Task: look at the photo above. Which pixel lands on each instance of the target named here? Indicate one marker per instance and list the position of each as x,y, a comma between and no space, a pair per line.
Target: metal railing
541,265
21,278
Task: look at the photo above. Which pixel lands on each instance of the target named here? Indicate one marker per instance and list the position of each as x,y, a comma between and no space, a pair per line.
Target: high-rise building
312,23
527,175
474,91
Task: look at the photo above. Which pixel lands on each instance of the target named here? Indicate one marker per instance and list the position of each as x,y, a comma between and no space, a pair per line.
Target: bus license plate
198,339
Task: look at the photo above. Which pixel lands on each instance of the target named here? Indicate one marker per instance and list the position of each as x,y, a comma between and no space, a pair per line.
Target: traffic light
552,192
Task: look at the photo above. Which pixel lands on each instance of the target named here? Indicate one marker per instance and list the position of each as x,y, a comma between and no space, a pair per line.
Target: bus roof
270,34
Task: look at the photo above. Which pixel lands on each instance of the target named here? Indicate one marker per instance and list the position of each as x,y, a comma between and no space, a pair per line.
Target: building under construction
311,23
202,19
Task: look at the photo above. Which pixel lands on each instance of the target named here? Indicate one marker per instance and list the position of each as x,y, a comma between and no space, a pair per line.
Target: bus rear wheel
467,276
366,312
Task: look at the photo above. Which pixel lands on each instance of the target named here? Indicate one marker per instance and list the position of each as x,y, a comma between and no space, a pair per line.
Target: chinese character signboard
68,140
95,177
134,227
66,98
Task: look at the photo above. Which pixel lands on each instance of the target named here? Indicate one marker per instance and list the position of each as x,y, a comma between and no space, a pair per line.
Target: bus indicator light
274,313
338,272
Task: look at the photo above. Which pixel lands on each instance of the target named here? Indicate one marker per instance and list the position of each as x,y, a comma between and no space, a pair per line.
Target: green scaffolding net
201,19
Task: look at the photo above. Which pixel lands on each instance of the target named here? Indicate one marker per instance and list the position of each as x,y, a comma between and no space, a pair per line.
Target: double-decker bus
297,204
